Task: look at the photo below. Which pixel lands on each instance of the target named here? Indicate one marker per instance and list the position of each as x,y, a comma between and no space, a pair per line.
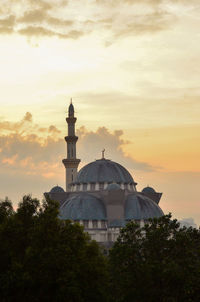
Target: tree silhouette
159,262
43,258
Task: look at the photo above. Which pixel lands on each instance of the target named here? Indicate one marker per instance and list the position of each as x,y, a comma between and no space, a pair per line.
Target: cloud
129,2
45,5
37,18
25,126
30,159
96,141
7,24
65,20
30,154
149,23
53,129
31,162
8,21
40,16
42,31
142,2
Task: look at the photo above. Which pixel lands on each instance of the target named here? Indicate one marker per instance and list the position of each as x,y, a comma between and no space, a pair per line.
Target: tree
43,258
6,209
158,262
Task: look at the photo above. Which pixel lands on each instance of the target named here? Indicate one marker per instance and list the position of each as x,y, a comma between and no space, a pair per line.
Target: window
86,224
92,187
109,237
101,186
95,224
125,186
78,187
103,224
93,236
102,237
84,187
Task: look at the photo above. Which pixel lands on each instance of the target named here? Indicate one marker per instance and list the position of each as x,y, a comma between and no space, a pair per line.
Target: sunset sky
132,69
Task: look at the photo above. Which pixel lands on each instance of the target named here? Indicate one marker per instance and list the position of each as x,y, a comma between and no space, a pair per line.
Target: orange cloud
30,153
32,163
10,161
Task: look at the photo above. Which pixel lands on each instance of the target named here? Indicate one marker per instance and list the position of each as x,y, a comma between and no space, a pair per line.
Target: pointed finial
71,109
103,153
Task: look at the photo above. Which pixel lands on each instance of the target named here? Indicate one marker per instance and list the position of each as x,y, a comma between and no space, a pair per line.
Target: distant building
101,196
188,222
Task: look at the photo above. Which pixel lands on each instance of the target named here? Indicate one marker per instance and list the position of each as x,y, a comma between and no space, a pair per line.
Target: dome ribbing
104,171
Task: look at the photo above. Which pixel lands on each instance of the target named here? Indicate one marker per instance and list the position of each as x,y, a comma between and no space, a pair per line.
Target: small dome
104,170
148,190
139,207
113,187
83,207
57,189
71,110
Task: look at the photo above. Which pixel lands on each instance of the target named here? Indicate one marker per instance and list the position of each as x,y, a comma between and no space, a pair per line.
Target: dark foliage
159,262
45,259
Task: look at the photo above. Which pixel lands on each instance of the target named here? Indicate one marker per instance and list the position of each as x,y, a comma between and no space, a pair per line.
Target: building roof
104,170
138,206
83,206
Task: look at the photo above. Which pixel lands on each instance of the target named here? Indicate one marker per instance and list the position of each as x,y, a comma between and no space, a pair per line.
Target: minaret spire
71,162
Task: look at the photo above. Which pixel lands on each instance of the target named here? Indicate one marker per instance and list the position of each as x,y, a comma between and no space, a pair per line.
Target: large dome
83,207
139,207
104,171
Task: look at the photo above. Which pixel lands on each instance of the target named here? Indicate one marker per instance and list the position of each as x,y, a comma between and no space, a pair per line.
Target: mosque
102,196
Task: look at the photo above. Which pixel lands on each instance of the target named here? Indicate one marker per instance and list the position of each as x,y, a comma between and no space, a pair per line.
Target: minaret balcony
71,120
71,163
70,139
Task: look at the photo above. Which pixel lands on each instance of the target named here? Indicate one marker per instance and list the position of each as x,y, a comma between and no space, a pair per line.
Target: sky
132,69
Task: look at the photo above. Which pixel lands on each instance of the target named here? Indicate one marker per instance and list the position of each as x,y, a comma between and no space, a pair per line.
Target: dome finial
103,154
71,101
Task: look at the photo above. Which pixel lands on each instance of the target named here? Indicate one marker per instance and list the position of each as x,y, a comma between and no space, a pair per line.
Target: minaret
71,162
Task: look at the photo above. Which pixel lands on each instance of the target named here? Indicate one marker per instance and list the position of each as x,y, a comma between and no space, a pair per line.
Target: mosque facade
102,196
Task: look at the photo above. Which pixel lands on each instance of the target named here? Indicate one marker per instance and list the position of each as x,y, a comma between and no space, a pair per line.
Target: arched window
84,187
103,224
86,223
92,187
95,224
